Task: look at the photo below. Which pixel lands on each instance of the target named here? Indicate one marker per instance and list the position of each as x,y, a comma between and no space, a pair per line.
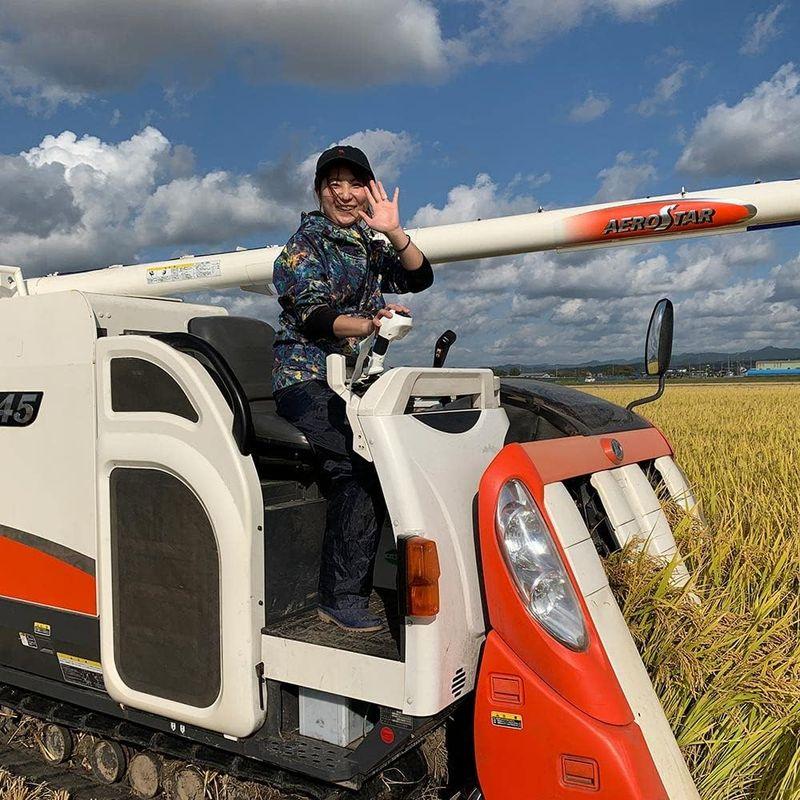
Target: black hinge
260,676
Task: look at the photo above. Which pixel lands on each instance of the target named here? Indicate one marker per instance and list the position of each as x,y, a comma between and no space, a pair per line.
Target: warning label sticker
391,716
81,671
503,720
42,628
29,640
183,271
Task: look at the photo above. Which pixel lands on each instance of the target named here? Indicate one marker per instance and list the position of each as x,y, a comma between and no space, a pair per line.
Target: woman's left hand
385,214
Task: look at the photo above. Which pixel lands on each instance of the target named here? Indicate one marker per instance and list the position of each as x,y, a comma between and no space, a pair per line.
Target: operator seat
247,345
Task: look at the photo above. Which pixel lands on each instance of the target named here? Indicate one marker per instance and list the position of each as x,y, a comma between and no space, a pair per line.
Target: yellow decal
503,720
42,628
81,663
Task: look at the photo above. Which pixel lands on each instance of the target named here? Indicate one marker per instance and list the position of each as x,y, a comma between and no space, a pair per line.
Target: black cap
345,154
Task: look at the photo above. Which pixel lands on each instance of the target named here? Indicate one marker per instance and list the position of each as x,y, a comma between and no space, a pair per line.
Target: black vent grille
459,681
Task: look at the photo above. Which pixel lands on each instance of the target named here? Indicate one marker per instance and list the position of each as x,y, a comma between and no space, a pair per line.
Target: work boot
355,620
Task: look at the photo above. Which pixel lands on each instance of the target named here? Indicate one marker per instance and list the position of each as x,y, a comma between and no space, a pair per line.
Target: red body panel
36,577
558,459
526,763
585,679
571,703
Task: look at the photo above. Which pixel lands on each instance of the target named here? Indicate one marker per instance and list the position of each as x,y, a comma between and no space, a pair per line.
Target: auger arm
735,209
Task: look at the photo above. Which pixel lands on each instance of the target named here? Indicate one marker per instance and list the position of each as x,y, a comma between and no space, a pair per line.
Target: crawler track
25,762
21,756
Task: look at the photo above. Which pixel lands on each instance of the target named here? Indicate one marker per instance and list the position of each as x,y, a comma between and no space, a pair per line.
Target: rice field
727,668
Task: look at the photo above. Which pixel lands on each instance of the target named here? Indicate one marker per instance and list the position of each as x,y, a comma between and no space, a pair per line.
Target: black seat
247,345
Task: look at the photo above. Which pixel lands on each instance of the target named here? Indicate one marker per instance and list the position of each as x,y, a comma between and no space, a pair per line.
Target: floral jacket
344,269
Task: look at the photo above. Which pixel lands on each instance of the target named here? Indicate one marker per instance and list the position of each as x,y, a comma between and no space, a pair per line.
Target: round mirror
658,349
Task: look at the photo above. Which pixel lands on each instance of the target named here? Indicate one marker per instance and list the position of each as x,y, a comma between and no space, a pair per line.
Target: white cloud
387,151
623,180
569,307
62,52
762,31
79,202
591,108
200,208
34,201
757,137
482,199
786,279
665,91
506,25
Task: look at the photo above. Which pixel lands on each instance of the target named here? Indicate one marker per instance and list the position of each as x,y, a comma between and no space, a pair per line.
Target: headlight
537,569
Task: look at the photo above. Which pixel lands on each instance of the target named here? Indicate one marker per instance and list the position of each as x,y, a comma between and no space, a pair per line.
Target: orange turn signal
422,577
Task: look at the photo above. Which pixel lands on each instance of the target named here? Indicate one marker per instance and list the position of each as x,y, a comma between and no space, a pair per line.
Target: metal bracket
11,282
337,380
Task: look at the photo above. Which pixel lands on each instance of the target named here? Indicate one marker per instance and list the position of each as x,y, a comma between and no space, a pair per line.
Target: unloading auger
161,527
754,207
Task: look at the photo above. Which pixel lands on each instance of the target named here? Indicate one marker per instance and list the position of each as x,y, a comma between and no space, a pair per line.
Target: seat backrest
246,344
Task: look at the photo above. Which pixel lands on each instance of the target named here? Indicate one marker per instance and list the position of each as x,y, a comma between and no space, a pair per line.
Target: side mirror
658,348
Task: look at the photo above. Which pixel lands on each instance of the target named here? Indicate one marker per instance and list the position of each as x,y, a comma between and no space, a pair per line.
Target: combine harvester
160,533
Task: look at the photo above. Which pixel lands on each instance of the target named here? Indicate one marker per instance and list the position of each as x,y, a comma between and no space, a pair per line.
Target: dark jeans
356,509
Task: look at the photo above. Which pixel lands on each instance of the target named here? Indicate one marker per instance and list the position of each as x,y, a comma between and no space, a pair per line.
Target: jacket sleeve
301,280
397,280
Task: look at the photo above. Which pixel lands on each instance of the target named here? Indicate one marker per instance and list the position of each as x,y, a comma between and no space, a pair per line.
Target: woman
331,277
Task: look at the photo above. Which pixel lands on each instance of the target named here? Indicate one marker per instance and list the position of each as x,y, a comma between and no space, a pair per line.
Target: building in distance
780,367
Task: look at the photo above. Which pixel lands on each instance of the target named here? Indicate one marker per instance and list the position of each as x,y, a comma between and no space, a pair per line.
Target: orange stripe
559,459
35,577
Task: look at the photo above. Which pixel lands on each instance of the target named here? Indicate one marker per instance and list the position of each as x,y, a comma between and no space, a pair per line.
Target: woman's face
342,195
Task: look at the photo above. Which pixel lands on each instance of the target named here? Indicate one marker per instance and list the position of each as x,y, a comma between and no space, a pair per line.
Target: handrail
224,378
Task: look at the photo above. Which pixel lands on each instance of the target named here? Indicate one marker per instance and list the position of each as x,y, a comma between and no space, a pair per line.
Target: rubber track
26,762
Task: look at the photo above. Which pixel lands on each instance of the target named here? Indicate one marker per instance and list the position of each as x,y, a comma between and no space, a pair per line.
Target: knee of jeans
337,470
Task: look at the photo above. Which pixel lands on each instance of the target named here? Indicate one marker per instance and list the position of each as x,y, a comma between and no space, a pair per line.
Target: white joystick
391,329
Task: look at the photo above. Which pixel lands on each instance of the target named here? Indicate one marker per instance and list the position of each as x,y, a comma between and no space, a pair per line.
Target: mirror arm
661,380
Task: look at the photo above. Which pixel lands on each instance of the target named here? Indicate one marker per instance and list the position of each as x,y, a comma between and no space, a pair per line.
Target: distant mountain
678,360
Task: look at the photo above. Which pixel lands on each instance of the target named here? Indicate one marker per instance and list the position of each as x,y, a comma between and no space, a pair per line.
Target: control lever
443,344
391,329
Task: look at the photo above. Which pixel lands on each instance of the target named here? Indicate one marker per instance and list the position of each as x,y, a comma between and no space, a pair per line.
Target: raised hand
385,217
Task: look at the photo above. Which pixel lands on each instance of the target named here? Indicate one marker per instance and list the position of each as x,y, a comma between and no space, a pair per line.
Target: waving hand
385,216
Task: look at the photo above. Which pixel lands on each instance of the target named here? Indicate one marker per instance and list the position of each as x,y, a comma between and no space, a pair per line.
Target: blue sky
129,134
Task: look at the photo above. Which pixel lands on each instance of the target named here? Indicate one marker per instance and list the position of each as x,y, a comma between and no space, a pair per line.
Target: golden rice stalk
727,668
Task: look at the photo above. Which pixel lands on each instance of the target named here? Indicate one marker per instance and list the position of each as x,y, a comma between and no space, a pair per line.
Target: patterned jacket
342,271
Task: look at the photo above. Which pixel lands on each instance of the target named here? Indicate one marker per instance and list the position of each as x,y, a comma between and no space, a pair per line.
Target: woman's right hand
375,323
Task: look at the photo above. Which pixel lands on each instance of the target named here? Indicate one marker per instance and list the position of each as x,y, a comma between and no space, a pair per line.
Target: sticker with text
503,720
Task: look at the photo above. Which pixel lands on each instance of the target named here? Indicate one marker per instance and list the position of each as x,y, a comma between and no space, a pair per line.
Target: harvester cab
161,531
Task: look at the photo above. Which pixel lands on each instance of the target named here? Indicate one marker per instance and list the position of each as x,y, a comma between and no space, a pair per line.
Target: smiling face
341,194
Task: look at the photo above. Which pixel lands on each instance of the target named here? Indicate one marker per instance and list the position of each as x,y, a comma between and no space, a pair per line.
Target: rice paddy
727,668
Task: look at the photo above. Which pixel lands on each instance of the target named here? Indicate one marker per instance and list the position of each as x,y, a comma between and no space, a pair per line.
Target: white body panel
47,487
340,672
203,456
618,644
430,480
118,315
